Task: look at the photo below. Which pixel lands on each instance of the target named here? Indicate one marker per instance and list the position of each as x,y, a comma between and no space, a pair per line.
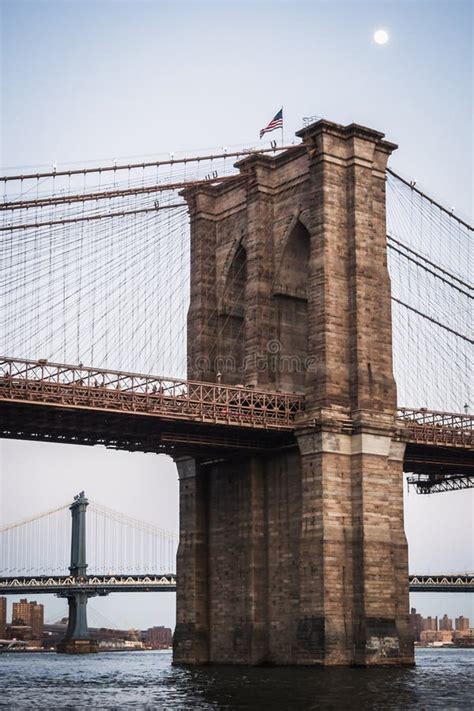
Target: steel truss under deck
436,483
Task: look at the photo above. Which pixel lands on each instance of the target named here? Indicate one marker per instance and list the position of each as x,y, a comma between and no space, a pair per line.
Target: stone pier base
78,646
295,558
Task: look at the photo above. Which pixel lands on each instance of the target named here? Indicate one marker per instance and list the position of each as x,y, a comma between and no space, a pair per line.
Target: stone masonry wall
298,556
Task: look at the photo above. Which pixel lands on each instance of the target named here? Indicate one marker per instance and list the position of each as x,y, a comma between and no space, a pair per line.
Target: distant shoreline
53,651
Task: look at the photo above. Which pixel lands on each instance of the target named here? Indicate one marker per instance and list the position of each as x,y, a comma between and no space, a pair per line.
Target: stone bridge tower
298,557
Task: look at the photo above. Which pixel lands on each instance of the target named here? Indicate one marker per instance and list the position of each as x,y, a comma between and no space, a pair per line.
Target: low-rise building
24,633
464,638
441,637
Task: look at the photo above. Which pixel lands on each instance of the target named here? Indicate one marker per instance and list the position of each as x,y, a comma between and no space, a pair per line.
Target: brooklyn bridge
292,324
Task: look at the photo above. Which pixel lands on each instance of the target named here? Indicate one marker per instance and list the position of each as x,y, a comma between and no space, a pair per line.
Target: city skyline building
30,614
446,623
461,623
416,622
158,637
430,623
431,631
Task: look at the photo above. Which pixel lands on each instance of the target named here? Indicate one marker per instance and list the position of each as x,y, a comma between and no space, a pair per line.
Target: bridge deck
93,584
65,403
105,584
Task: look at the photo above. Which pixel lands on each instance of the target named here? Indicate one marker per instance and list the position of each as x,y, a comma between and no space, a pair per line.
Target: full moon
381,36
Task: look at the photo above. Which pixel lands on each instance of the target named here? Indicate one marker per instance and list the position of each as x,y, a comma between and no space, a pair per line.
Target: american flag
276,122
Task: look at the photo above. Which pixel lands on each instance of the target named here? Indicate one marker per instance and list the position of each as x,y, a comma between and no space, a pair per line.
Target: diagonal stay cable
437,323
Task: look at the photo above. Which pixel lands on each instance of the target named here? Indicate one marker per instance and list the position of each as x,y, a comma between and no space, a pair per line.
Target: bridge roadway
105,584
82,405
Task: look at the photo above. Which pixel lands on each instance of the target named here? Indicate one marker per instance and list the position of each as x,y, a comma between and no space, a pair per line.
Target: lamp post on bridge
77,639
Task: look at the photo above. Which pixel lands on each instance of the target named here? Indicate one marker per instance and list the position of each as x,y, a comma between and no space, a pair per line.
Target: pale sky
83,81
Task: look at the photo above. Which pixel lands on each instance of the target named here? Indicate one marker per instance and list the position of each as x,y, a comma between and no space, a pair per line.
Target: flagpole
282,136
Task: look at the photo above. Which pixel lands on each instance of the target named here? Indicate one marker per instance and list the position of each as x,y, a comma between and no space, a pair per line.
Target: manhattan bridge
127,295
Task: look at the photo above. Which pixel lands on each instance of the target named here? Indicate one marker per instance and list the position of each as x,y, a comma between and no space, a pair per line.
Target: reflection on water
442,679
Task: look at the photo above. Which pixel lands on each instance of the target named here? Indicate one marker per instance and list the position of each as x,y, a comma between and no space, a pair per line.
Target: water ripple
443,679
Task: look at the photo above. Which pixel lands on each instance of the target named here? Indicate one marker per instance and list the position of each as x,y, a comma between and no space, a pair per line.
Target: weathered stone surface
298,557
78,646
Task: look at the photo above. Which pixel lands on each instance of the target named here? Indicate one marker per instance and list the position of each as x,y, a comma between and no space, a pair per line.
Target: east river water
442,679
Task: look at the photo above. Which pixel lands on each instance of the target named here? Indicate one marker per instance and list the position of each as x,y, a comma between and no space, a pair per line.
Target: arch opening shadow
291,297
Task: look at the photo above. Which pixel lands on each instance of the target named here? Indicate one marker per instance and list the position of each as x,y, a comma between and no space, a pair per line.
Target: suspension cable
246,152
107,194
428,261
429,318
130,521
33,518
430,199
88,218
431,271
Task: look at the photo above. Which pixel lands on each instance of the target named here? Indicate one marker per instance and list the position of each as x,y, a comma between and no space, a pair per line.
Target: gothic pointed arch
294,255
228,263
231,318
290,291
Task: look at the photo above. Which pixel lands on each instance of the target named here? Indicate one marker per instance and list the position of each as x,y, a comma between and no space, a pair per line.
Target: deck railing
171,398
438,428
41,382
